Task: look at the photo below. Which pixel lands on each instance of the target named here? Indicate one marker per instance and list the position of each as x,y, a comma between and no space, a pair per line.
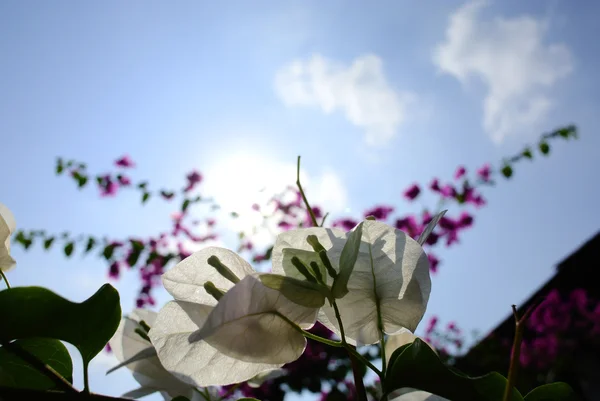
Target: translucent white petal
126,343
332,239
391,269
196,363
418,395
7,227
247,324
185,281
260,378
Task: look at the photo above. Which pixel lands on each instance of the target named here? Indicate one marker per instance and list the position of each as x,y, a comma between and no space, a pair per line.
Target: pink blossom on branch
193,179
412,192
125,162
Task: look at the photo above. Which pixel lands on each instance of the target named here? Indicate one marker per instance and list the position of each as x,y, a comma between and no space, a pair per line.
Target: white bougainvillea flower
390,277
410,394
185,281
177,334
7,227
146,367
254,323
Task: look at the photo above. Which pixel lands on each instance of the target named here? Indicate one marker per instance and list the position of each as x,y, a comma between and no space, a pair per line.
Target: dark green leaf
234,215
48,242
544,147
185,205
59,166
81,179
109,250
90,244
416,365
133,257
527,153
507,171
69,249
142,185
305,293
552,392
145,197
15,372
22,239
37,312
430,227
347,262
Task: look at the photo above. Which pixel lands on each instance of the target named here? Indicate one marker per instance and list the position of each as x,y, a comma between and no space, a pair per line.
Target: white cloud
512,59
359,90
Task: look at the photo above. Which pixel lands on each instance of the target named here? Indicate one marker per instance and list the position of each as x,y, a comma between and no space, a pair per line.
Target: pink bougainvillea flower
125,162
460,172
193,178
484,172
380,212
345,224
433,262
107,186
448,191
124,180
412,192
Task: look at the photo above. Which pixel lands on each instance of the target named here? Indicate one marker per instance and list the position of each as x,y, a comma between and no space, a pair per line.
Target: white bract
204,342
148,371
409,394
390,278
7,227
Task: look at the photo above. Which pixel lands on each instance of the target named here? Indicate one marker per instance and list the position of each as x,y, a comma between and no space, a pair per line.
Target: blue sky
374,98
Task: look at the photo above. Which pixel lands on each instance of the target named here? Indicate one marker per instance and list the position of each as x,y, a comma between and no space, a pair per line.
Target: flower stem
516,350
310,211
5,279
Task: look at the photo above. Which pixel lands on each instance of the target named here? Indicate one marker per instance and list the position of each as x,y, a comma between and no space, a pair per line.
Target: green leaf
507,171
109,250
347,262
81,179
59,166
48,242
527,153
23,240
552,392
38,312
15,372
416,365
544,147
430,227
145,197
305,293
69,249
184,206
90,244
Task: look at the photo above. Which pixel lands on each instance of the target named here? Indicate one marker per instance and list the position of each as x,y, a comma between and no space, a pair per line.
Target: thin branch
310,211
